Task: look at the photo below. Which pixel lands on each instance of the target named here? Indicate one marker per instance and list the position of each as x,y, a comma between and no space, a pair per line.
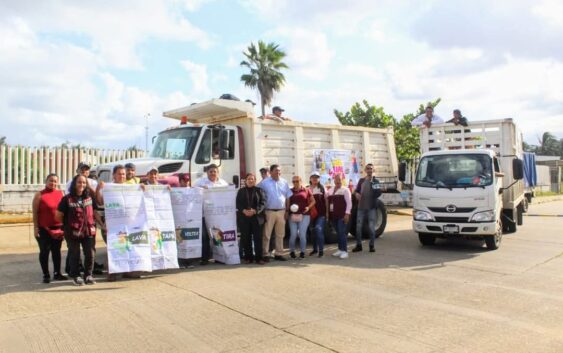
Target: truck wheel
525,204
330,234
493,241
520,213
508,221
426,239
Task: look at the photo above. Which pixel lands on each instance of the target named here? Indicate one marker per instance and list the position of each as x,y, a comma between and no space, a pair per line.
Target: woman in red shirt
46,229
298,207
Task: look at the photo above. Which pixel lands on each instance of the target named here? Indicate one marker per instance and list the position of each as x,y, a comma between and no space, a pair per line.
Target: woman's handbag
314,213
56,233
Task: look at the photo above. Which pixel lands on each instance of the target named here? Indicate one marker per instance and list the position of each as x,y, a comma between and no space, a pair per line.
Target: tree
365,115
548,145
265,65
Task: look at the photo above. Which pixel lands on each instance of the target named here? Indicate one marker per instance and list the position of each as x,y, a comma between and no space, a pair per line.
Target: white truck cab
468,182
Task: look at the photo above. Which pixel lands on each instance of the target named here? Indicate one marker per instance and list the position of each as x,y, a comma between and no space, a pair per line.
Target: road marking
543,215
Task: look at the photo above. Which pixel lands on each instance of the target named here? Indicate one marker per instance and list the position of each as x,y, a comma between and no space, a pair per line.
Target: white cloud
198,76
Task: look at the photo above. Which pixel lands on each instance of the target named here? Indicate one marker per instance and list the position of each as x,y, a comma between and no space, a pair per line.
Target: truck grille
170,168
452,219
458,210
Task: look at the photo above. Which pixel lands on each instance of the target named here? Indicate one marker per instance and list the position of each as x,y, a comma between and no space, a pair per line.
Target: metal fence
21,165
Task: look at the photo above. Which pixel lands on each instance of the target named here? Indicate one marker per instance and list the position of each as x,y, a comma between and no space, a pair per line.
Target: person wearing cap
152,177
212,180
458,119
277,114
130,171
264,173
84,169
427,119
319,223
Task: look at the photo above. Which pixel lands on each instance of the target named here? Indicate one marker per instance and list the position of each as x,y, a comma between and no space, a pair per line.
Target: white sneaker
344,255
337,253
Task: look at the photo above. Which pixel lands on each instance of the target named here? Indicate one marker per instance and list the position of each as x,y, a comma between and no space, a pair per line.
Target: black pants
49,245
250,231
205,246
74,255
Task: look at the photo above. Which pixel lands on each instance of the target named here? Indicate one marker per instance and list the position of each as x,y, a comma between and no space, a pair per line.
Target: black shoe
313,252
358,248
98,266
302,255
279,258
59,277
266,259
321,253
97,271
292,255
372,249
46,279
204,262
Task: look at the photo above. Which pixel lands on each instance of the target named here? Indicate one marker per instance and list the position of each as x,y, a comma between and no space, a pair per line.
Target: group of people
429,118
262,210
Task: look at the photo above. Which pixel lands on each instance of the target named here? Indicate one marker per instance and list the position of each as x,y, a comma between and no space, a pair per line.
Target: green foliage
134,148
407,141
548,145
265,64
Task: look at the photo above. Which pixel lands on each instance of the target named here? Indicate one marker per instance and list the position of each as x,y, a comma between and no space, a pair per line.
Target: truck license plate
451,229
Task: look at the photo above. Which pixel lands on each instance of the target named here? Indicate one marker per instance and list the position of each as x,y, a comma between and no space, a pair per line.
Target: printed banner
160,220
128,237
219,209
330,162
187,211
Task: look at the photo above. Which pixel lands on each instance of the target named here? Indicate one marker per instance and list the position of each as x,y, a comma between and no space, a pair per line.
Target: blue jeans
301,228
319,233
342,236
371,214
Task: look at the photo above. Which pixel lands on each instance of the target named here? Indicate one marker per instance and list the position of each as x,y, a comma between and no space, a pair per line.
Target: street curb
16,219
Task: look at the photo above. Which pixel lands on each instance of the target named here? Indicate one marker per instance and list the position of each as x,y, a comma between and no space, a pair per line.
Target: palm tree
265,63
549,145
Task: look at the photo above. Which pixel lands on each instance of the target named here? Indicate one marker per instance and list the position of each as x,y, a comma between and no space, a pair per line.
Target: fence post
2,164
28,172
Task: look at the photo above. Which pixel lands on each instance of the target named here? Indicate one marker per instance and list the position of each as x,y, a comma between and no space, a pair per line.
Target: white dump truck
469,182
226,133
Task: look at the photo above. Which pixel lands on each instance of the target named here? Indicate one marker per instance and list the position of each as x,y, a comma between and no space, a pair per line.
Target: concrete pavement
453,297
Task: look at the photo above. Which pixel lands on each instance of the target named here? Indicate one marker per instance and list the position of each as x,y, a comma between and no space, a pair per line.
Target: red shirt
48,204
300,198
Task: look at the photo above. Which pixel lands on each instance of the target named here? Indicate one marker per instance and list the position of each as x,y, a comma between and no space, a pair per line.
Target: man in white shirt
427,119
212,180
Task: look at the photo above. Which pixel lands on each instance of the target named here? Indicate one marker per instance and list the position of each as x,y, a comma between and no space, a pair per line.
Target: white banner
162,235
330,162
187,210
219,209
128,244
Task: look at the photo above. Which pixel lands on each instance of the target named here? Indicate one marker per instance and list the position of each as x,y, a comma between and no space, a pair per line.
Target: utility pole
147,133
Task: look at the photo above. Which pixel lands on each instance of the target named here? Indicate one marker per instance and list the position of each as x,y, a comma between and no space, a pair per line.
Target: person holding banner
276,189
250,207
298,207
318,223
339,200
76,212
46,229
212,180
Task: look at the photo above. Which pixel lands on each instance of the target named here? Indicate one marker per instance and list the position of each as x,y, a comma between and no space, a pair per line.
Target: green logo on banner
139,238
190,233
168,236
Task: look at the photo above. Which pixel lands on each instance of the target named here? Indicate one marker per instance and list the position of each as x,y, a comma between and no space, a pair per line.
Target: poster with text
329,162
160,221
219,209
187,212
128,234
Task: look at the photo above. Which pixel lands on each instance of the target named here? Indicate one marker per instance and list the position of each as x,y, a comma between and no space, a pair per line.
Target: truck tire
520,213
330,234
380,224
426,239
493,241
525,204
508,222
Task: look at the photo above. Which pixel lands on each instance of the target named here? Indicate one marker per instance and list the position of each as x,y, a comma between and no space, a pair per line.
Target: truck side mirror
402,171
224,139
517,169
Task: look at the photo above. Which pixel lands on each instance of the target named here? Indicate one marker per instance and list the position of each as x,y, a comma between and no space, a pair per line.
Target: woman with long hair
46,229
250,203
298,207
318,224
76,212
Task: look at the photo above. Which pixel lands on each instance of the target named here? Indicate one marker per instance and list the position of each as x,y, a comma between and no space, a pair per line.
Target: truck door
209,152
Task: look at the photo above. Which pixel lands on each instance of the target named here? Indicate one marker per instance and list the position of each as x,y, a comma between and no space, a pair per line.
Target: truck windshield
455,171
176,144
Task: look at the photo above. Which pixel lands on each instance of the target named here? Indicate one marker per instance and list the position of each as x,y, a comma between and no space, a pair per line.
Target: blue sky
88,72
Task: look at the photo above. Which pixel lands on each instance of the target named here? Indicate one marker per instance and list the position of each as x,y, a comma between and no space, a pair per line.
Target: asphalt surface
453,297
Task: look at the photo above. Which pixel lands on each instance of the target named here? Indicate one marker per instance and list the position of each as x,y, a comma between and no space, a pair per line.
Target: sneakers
321,253
337,253
313,252
372,249
78,281
46,278
302,255
59,277
358,248
344,255
292,255
90,280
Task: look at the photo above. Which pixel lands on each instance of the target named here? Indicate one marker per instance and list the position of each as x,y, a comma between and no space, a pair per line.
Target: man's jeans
371,214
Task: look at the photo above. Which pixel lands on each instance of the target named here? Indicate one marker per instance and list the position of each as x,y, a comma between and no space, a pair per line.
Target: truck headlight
422,216
487,216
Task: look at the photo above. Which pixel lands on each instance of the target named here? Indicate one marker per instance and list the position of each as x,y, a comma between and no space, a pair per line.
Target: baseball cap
153,169
315,173
276,108
130,165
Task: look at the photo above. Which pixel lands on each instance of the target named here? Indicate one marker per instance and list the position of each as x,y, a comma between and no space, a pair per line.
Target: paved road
454,297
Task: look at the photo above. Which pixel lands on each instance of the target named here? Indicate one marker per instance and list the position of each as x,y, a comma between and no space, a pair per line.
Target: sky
95,72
